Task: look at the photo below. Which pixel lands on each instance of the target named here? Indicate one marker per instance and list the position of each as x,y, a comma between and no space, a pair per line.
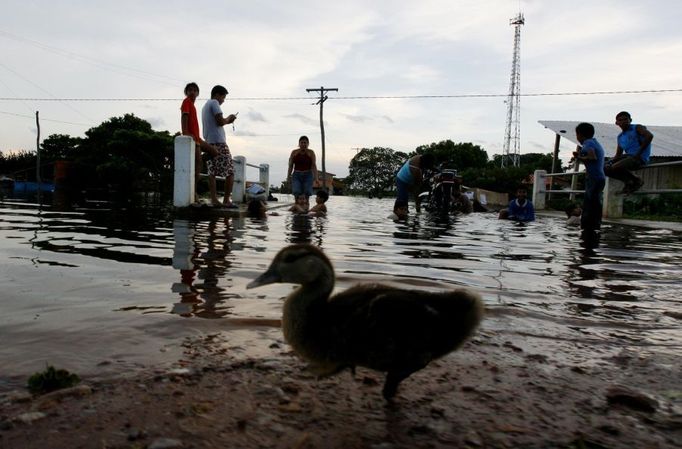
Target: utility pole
323,98
38,180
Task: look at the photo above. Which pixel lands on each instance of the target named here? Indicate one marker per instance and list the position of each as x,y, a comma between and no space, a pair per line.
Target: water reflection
101,272
427,227
303,228
202,257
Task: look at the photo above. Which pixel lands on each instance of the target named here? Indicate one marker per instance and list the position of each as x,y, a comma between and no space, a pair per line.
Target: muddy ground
489,394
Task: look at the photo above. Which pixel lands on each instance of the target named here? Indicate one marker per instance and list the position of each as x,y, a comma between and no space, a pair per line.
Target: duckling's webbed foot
393,379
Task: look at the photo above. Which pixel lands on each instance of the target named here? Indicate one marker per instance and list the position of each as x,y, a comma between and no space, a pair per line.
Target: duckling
376,326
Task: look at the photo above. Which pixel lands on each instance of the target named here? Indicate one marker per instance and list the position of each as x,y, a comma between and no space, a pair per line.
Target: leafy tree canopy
127,152
60,147
460,156
533,161
123,151
507,179
372,170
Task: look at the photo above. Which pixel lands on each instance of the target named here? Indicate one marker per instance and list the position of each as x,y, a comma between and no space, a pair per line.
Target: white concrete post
264,178
183,179
239,186
539,189
613,202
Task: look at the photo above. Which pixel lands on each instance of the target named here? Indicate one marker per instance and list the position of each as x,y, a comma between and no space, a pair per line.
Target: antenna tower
512,132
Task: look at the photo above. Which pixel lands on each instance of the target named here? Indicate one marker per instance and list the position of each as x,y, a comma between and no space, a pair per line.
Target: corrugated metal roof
667,139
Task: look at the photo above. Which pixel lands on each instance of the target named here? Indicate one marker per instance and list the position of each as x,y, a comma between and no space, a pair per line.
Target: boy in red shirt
190,127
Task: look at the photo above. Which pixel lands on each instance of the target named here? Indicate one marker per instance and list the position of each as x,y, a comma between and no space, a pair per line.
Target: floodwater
102,292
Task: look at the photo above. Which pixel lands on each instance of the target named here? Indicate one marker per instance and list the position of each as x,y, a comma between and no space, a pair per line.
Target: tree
123,153
497,179
372,170
507,179
127,153
60,147
533,161
20,165
460,156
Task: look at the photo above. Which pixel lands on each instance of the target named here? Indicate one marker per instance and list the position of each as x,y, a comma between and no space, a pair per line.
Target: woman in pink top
302,169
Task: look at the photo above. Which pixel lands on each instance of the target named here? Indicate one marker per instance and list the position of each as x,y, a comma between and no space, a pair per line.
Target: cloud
134,50
243,133
357,118
256,116
302,118
158,123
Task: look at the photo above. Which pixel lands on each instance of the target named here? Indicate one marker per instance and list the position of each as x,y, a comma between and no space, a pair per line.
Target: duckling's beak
269,277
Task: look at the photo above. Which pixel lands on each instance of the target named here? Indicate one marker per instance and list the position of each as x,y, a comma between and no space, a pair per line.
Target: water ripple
98,283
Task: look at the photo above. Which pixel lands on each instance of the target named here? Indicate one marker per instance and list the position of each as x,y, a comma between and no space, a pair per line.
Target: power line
323,97
367,97
44,90
144,99
45,119
42,119
116,68
542,94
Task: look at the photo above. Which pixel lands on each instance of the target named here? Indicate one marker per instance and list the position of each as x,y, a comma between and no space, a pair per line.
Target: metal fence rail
613,198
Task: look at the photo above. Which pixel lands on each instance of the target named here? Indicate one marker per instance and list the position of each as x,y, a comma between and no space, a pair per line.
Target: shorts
302,183
403,189
221,165
625,162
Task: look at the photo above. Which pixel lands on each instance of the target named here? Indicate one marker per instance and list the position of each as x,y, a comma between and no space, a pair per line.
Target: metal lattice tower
512,132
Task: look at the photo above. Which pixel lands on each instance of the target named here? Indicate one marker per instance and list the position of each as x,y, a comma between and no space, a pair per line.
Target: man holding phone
214,133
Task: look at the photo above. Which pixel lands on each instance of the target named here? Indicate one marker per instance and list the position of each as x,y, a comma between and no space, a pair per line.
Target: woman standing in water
302,169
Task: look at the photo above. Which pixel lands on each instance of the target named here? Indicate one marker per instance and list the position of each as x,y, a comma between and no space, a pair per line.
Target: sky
136,57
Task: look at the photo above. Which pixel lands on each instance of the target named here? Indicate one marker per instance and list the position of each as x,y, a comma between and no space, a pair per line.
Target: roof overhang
667,139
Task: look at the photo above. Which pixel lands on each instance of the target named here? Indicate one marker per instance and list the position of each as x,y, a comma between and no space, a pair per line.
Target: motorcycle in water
444,184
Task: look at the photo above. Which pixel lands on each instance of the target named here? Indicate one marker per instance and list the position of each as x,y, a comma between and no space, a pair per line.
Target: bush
665,206
50,380
562,203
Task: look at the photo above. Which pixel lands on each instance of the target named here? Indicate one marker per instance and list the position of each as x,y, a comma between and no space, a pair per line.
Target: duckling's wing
384,327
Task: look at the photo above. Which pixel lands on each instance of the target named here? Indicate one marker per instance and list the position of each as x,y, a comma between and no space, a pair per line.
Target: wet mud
496,392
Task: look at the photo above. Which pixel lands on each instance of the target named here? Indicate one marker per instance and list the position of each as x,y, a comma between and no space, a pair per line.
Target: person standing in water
410,176
302,169
591,154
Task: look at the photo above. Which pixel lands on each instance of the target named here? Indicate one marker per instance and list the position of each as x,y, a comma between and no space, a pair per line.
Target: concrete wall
658,178
492,199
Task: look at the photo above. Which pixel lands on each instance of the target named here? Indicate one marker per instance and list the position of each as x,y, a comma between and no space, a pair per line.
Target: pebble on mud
165,443
29,417
619,395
